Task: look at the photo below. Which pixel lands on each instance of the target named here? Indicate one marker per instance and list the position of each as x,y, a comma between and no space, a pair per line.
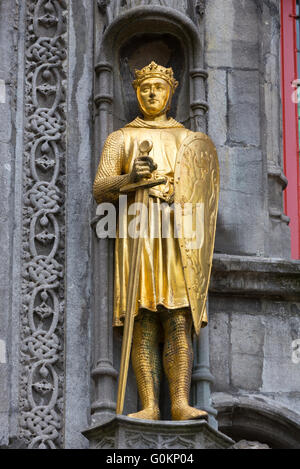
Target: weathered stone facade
254,299
65,70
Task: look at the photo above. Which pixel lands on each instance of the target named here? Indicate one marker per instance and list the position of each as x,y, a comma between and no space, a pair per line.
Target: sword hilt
144,147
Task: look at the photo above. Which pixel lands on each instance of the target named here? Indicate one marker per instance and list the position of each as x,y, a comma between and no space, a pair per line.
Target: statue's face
154,95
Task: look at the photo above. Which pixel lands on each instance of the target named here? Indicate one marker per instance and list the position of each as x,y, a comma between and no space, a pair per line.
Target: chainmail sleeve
109,178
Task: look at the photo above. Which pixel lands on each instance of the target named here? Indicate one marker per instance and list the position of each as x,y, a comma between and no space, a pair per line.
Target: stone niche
139,51
152,31
129,36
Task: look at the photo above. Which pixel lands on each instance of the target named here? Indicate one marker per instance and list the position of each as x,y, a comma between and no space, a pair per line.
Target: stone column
202,377
103,373
199,105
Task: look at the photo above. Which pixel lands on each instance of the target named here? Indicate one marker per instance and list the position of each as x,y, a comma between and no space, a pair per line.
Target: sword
141,189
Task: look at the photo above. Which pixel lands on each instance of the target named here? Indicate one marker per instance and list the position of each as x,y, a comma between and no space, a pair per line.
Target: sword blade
141,196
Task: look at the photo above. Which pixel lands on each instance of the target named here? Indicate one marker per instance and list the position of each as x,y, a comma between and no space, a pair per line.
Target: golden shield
197,187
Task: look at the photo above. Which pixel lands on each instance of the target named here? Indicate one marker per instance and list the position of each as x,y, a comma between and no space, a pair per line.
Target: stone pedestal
126,433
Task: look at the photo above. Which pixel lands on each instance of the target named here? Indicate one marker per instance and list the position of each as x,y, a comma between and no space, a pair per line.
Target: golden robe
161,276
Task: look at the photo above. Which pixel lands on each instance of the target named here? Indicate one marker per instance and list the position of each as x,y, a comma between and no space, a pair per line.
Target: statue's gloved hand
143,166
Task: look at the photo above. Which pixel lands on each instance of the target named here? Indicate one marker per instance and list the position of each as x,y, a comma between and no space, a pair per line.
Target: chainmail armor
109,178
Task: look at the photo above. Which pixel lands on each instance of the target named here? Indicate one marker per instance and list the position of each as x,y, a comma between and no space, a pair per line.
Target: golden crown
154,70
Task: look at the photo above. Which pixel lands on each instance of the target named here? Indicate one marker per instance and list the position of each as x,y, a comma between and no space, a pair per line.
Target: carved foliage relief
42,330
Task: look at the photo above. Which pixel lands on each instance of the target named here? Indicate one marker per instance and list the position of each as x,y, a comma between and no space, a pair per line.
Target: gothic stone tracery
115,7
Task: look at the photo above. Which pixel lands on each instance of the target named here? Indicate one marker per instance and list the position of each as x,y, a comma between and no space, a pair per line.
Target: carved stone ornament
102,5
200,7
42,331
245,444
113,8
121,432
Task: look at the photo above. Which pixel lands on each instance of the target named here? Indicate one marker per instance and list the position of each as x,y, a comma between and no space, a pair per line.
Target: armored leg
146,362
178,362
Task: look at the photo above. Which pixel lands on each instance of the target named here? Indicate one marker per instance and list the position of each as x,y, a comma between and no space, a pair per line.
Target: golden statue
169,274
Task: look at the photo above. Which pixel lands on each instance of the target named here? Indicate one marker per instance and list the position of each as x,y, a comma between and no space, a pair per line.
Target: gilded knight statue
170,304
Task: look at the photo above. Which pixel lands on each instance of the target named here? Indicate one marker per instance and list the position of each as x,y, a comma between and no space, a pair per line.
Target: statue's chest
165,146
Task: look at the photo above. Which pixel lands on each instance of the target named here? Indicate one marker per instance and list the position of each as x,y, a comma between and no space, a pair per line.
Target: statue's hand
143,166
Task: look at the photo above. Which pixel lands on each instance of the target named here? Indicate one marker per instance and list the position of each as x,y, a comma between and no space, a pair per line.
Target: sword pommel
145,147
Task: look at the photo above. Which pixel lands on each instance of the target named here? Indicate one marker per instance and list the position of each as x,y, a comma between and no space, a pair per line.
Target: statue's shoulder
114,139
113,142
115,135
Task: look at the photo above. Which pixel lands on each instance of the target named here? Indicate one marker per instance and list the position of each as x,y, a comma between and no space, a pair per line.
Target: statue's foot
149,413
188,413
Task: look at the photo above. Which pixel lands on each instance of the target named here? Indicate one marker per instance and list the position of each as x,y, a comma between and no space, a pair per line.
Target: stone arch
157,21
244,418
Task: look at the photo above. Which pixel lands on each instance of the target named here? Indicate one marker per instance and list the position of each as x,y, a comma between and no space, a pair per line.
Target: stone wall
254,300
254,342
254,319
242,57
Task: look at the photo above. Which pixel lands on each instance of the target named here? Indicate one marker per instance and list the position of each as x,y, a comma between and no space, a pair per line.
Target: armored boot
178,362
146,362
